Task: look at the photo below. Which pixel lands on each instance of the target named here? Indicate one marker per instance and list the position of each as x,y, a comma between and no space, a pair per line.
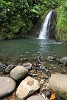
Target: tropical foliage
62,22
18,17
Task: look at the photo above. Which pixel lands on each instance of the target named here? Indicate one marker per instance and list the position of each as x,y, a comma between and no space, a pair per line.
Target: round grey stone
19,72
7,85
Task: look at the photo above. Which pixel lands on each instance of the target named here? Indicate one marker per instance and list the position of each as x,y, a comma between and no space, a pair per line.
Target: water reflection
44,48
30,48
51,47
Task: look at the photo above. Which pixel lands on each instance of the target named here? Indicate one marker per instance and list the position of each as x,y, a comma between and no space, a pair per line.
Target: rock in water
19,72
27,87
9,68
36,97
63,61
51,58
58,82
2,67
7,85
27,65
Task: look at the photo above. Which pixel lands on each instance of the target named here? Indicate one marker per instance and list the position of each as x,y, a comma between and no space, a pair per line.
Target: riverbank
38,69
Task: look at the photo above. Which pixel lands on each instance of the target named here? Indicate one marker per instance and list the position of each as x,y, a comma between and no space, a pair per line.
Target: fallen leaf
52,96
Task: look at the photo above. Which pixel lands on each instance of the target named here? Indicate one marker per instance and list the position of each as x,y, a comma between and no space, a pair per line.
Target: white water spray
45,27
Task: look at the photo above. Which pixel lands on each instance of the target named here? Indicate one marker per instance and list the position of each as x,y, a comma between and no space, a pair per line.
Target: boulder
58,82
7,85
51,58
36,97
27,87
63,61
19,72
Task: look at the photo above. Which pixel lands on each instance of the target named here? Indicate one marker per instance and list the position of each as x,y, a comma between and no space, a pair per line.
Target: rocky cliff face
51,25
52,29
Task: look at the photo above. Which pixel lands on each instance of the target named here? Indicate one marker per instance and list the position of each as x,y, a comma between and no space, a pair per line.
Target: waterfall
45,26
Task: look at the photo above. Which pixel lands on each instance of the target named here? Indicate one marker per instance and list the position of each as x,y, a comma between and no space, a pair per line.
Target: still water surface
31,48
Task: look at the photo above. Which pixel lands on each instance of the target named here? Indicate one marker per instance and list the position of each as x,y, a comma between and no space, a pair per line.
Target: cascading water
45,27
